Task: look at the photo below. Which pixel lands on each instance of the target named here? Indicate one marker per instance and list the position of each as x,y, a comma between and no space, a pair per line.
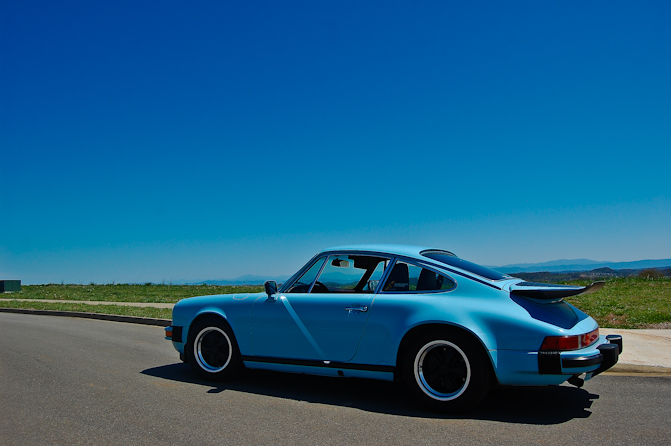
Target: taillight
590,338
570,342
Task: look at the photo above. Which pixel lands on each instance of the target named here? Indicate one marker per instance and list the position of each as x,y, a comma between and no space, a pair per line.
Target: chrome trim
359,309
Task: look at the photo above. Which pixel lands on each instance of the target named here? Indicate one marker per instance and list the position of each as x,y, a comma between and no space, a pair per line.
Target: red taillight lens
561,343
570,342
590,338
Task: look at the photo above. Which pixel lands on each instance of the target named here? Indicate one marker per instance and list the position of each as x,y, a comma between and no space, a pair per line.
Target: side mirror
271,288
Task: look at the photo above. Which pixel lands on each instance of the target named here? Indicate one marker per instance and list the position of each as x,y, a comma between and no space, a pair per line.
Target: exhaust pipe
576,381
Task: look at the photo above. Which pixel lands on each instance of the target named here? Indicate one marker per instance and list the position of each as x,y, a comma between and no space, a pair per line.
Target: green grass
126,293
630,302
160,313
627,302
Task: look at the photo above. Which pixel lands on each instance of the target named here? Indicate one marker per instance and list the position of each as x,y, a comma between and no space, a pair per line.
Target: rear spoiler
550,291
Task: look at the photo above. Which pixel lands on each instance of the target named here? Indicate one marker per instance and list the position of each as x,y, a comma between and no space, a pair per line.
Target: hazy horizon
260,278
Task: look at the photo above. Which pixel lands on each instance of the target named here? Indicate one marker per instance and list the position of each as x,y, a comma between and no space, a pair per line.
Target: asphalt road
79,381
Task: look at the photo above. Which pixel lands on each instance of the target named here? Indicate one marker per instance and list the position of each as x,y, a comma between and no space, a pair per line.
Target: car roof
402,250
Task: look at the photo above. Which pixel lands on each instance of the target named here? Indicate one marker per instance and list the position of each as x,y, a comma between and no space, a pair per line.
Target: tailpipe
576,381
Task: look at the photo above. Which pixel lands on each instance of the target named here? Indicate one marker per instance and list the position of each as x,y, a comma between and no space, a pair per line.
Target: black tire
212,349
447,371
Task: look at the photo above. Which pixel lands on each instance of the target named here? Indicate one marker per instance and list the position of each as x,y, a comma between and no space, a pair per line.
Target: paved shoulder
647,351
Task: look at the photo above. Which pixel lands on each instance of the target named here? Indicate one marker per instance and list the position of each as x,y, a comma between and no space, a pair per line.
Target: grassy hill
625,302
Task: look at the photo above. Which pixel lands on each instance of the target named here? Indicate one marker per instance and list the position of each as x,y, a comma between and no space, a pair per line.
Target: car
447,328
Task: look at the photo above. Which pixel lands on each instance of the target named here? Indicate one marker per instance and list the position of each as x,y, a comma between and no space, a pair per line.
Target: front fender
236,309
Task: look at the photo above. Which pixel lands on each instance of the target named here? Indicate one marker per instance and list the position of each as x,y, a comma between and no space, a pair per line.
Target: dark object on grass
7,286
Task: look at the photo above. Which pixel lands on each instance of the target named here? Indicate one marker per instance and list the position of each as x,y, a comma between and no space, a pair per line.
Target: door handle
359,309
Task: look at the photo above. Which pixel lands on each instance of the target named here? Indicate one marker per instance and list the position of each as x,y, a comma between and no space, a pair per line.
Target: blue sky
166,140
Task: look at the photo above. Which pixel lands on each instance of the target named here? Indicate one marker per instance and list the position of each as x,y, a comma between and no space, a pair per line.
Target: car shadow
528,405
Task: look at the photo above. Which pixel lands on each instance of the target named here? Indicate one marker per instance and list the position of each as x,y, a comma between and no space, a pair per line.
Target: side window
409,277
399,278
350,274
430,281
302,285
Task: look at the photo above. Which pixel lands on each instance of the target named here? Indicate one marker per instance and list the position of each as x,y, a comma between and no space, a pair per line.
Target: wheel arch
204,315
424,329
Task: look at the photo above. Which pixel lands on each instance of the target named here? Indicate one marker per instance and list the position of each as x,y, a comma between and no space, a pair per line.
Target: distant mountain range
242,280
579,265
552,266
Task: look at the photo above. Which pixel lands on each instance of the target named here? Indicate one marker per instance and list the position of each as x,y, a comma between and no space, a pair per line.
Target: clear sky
171,140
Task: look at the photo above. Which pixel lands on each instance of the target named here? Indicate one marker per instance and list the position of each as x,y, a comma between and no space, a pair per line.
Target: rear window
450,259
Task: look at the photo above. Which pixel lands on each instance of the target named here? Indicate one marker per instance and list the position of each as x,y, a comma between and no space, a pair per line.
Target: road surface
80,381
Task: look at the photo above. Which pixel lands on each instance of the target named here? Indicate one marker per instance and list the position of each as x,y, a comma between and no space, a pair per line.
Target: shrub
651,273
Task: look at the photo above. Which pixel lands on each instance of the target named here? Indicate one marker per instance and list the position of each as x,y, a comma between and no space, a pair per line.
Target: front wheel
447,371
213,352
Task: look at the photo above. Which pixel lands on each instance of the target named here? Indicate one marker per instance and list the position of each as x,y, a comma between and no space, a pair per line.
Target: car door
323,314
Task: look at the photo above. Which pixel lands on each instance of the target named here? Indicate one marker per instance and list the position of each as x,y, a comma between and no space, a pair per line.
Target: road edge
100,316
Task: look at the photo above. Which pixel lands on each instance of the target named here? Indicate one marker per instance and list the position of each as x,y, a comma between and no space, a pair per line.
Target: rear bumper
597,361
610,352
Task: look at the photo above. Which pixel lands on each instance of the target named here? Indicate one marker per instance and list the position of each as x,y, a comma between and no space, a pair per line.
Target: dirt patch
658,326
615,321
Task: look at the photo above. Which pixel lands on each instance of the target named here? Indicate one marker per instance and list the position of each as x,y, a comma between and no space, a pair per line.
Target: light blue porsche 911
448,328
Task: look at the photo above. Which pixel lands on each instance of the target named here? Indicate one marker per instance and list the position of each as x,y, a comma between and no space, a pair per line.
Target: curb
638,369
100,316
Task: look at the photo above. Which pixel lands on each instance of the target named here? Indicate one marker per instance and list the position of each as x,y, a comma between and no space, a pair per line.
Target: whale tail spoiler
550,291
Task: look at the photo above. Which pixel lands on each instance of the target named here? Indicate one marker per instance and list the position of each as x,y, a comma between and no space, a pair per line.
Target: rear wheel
213,351
447,371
